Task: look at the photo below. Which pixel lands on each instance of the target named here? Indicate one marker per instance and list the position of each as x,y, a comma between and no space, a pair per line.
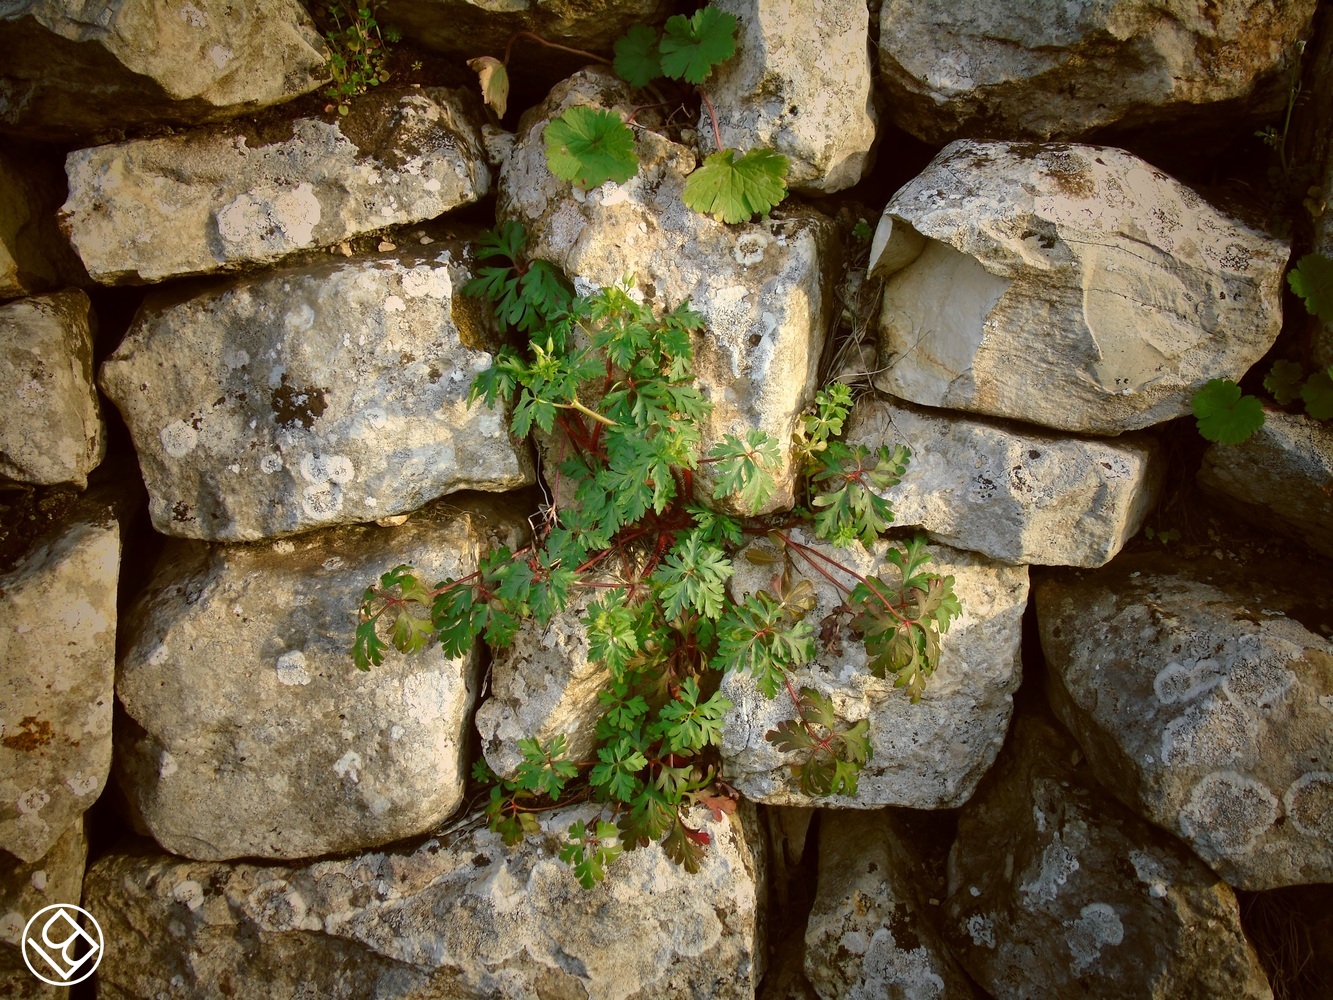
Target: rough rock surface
34,255
224,197
1071,286
800,84
1050,69
925,756
1056,889
315,396
866,938
1203,706
26,888
1010,492
58,644
1279,478
69,68
249,733
760,286
543,686
463,918
52,431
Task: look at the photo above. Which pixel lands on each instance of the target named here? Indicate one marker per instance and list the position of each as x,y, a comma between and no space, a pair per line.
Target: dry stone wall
252,307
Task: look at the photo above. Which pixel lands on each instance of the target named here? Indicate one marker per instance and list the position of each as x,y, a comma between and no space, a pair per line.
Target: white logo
54,944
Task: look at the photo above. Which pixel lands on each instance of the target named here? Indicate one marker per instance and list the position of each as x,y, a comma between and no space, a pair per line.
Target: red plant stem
824,744
551,45
805,552
712,113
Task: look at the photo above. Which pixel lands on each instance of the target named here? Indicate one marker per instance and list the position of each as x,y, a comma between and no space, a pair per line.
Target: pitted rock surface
315,396
220,198
925,756
25,889
1076,287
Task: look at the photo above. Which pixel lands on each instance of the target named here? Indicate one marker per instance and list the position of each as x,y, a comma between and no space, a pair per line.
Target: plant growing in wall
356,50
613,380
589,146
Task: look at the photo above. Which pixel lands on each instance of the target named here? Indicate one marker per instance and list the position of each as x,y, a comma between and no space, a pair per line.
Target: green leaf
685,724
747,467
618,770
692,46
1312,280
756,637
589,146
1224,415
589,853
1284,381
368,648
1318,395
494,80
411,634
541,771
684,845
692,577
732,190
638,60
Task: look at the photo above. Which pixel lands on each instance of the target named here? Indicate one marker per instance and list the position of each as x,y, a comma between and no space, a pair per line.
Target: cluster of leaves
611,383
356,50
1228,416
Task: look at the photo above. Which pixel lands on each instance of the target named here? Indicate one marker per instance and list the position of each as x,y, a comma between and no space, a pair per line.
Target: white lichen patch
1227,814
1183,681
1215,733
1097,927
1309,805
292,668
349,766
189,893
981,929
1057,864
178,438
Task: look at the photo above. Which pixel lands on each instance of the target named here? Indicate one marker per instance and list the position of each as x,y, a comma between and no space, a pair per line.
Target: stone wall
250,306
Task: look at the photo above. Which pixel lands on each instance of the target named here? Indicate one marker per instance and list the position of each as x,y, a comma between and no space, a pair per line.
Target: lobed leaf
590,146
1312,280
1224,415
638,60
733,190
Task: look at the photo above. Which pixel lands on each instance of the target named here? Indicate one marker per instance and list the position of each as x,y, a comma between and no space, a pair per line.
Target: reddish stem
712,114
551,45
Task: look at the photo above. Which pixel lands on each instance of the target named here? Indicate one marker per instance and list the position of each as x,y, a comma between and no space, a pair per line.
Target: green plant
356,50
614,381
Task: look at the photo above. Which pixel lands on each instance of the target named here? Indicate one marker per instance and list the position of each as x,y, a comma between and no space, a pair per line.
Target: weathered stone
1056,889
543,685
1075,287
1279,478
58,641
1049,69
34,255
1201,705
465,917
799,84
248,731
53,430
221,198
867,937
315,396
926,756
1010,492
26,888
760,286
70,68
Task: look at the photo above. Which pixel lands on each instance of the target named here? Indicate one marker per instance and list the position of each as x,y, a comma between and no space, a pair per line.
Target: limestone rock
26,888
1075,287
224,197
925,756
543,686
315,396
866,938
760,286
1279,477
249,732
58,641
1049,69
1010,492
1203,706
53,430
1056,889
70,68
462,917
799,83
34,255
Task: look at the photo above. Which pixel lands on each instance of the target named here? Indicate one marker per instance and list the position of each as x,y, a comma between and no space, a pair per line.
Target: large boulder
928,755
1049,69
1202,701
1011,492
1279,478
315,396
228,196
867,937
800,84
58,642
34,254
70,68
761,287
26,888
247,730
462,917
53,430
1056,889
1076,287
